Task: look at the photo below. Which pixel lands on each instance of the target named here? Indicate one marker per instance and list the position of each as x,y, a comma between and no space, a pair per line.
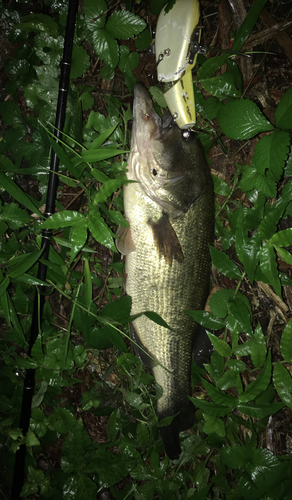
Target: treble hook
160,57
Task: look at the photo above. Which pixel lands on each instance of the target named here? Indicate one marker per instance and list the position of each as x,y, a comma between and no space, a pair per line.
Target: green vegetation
87,379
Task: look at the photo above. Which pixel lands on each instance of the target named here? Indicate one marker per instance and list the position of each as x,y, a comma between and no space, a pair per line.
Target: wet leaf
269,267
24,263
214,425
271,153
210,66
224,264
79,486
78,238
248,24
221,86
241,119
99,229
259,385
220,186
88,284
220,345
219,302
124,24
63,219
18,194
258,348
207,319
218,396
283,383
282,238
211,409
259,410
239,315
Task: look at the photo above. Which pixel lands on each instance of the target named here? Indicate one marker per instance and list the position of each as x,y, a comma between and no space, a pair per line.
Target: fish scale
168,261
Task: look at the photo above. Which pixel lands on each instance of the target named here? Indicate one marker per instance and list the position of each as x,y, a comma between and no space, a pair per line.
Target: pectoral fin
140,350
166,240
125,244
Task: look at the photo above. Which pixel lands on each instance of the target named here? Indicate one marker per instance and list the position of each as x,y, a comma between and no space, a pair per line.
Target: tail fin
170,438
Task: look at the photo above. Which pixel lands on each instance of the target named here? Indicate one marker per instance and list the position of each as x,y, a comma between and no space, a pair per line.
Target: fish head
169,163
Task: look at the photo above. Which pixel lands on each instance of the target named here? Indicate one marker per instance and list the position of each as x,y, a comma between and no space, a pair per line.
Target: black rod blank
29,381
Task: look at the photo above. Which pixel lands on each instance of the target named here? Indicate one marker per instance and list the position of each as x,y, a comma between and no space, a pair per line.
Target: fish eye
154,172
146,117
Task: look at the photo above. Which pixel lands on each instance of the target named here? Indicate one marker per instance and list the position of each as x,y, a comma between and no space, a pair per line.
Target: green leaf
63,219
221,86
4,285
38,22
220,186
88,283
251,179
282,238
99,229
241,119
18,194
158,96
258,347
24,263
286,342
11,114
271,153
119,310
80,62
211,409
259,385
79,486
214,425
248,249
142,435
108,188
218,396
143,40
128,60
268,225
283,113
93,11
106,47
219,302
257,410
220,345
229,379
156,318
224,264
61,420
96,144
210,66
90,156
284,254
78,238
123,24
283,383
248,24
14,216
269,267
115,338
239,315
96,338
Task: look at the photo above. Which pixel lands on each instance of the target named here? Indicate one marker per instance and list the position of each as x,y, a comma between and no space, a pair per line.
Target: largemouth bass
170,209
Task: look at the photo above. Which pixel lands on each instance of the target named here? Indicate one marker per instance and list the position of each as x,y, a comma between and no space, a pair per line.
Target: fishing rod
29,380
